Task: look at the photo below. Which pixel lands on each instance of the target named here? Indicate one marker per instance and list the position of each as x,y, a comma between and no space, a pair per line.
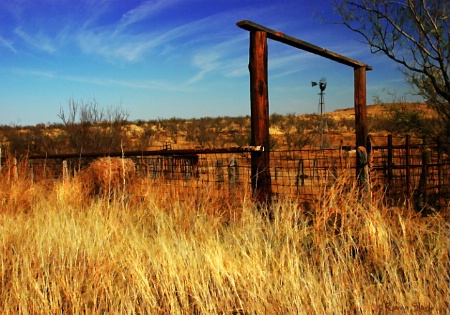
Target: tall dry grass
156,251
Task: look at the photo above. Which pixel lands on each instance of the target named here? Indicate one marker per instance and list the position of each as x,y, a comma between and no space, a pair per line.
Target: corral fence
286,180
403,167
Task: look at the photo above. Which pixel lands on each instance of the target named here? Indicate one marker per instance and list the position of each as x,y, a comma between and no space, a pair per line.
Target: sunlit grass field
151,250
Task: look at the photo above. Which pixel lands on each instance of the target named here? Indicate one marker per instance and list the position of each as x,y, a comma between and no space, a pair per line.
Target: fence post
219,171
188,169
422,194
15,169
233,173
259,97
315,170
300,180
439,169
168,168
159,167
360,114
151,169
65,170
390,161
334,170
363,179
408,167
31,171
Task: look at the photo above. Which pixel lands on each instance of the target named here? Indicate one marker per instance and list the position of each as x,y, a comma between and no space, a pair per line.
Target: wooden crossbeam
297,43
180,152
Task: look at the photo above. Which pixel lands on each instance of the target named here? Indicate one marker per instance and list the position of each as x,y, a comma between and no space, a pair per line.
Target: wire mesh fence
404,168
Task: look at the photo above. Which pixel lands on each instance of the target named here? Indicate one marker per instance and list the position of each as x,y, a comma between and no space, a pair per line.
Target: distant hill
377,109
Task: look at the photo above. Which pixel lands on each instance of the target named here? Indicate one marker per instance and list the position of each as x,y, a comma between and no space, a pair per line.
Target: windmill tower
323,126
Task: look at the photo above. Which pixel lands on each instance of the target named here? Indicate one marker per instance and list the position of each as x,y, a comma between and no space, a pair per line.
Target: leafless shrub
89,127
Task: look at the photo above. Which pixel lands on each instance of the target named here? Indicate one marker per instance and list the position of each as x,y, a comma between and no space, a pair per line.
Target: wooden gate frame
260,170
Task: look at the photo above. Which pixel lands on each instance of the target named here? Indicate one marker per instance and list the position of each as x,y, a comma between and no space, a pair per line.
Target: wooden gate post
360,115
260,104
259,97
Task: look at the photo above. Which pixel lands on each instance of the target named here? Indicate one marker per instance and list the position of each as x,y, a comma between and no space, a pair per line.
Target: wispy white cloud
118,44
7,44
37,41
132,84
288,63
114,46
126,41
227,58
33,72
206,61
239,70
144,11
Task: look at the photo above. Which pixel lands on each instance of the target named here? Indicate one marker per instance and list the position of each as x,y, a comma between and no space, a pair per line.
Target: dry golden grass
108,175
157,251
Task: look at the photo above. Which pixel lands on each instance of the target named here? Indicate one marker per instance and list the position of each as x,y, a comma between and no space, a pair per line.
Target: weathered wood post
233,173
259,98
363,178
390,162
15,169
360,116
219,171
65,170
408,166
300,178
421,198
187,169
31,166
260,103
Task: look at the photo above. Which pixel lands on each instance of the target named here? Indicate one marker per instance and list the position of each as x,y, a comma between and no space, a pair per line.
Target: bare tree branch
412,33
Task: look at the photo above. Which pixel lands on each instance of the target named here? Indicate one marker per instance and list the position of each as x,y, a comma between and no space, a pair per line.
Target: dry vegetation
287,132
107,176
108,242
155,251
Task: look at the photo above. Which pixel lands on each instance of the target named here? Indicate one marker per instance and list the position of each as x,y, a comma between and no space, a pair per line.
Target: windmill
323,127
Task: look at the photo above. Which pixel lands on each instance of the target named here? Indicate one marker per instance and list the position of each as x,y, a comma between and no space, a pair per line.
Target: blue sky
172,58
